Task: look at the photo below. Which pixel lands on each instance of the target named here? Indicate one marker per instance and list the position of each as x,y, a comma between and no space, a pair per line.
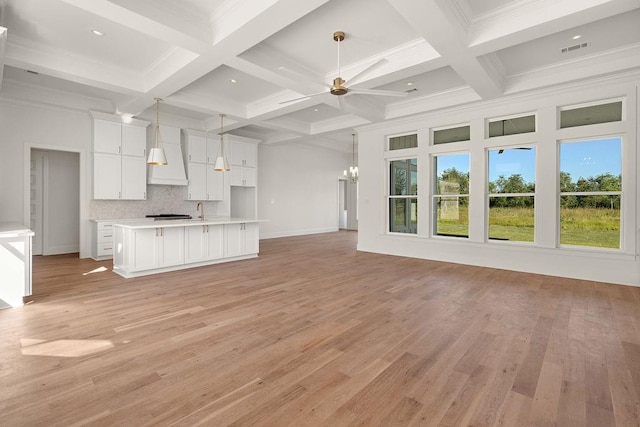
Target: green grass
598,227
595,227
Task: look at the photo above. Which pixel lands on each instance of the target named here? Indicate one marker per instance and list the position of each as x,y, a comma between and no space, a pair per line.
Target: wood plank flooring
314,333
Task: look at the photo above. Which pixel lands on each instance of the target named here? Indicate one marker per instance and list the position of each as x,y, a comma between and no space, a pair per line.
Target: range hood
173,172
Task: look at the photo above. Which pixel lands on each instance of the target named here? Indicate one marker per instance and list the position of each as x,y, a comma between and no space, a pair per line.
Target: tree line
453,181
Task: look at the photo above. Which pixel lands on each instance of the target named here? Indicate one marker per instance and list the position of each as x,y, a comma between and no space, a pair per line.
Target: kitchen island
148,247
15,263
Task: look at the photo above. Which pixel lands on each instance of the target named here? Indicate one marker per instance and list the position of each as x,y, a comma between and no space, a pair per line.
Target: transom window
591,192
512,193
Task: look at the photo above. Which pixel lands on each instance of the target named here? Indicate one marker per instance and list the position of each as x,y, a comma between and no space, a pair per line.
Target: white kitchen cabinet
107,176
107,136
117,177
134,140
157,247
134,178
203,243
243,157
243,176
102,233
243,153
205,183
195,148
119,158
241,239
197,188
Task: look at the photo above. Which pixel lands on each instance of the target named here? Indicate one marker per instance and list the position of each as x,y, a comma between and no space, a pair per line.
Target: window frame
561,108
585,138
489,120
489,195
434,196
390,197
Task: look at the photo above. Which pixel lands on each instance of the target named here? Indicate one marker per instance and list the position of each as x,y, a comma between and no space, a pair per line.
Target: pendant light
353,169
156,154
221,164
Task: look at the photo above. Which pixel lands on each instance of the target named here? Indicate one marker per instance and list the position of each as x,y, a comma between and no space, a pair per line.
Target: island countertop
166,223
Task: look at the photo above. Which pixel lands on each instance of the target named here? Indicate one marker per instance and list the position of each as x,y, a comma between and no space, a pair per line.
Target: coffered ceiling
247,58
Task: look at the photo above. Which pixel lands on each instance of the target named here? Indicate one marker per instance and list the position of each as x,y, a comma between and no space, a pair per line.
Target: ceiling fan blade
303,97
379,92
367,70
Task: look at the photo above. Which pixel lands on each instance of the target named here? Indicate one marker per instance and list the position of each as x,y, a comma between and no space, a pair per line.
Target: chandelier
352,174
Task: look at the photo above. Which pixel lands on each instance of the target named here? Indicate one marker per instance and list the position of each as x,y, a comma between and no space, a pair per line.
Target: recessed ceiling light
315,109
409,83
97,32
282,67
577,36
233,81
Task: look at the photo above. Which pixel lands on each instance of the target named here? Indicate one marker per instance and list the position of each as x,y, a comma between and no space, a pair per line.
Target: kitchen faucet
200,208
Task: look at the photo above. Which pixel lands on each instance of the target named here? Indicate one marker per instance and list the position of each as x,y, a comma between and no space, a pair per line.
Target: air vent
575,47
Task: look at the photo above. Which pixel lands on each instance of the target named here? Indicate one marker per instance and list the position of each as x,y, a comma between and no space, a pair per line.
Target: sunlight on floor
63,348
95,270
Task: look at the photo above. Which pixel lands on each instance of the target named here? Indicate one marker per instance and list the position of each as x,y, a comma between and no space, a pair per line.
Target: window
403,196
403,142
591,192
513,126
451,195
581,116
511,194
455,134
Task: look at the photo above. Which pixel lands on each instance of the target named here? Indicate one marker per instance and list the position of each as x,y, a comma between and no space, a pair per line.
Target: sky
581,159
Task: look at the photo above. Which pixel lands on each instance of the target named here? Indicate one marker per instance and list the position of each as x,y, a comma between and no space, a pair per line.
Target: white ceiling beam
260,23
444,31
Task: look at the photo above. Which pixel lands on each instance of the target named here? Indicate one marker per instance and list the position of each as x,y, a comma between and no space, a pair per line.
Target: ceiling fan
338,87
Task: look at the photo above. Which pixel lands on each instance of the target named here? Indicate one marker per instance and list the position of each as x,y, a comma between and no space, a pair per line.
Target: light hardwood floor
314,333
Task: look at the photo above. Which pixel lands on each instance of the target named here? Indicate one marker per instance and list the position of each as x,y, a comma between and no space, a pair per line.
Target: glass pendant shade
157,156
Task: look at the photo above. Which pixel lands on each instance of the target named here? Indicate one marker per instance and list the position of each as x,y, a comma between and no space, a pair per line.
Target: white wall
24,126
544,256
298,189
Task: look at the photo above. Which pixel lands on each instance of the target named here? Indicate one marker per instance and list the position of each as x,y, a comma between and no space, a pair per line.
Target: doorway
347,204
54,201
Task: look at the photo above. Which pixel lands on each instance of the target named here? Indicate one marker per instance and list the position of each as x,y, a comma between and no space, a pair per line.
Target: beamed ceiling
244,58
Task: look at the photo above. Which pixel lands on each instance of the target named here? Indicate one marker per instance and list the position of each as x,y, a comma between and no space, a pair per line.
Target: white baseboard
65,249
302,232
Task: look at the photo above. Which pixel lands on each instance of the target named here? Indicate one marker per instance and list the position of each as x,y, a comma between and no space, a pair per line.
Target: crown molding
41,95
22,53
586,67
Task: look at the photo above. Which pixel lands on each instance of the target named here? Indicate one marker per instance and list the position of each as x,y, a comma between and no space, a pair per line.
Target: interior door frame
28,146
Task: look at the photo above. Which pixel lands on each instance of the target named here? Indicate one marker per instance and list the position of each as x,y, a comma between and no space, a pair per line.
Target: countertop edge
183,223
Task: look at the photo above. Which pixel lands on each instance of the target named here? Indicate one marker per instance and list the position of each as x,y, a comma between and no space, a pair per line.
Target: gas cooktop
169,216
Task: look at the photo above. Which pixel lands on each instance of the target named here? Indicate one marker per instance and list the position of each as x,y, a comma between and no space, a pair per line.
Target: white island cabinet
142,248
15,263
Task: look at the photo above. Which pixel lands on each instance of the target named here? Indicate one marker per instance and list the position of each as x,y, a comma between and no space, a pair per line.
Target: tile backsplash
160,199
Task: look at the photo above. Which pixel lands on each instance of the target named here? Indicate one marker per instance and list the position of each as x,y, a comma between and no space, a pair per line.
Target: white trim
84,201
